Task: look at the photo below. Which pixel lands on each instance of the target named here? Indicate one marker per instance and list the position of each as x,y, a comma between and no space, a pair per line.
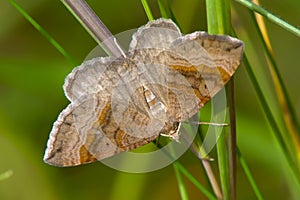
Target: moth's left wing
65,147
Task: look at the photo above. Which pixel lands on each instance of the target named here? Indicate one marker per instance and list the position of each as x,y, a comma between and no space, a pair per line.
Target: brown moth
118,104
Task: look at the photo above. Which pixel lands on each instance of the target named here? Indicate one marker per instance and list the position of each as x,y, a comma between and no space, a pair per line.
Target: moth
121,103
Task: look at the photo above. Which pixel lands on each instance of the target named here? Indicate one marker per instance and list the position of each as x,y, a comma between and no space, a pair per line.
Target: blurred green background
32,72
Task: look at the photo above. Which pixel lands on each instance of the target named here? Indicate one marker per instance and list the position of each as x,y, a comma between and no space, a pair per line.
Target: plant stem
232,138
272,121
218,21
248,174
197,148
288,112
181,185
270,16
95,27
212,179
193,180
147,10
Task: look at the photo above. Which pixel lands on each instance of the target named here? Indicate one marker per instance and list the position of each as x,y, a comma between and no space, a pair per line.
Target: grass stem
285,25
94,26
218,21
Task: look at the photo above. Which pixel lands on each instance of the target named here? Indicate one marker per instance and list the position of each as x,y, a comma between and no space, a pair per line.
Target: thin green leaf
223,161
218,16
188,175
166,11
194,180
147,10
271,120
285,25
162,8
288,112
248,174
43,32
218,21
181,185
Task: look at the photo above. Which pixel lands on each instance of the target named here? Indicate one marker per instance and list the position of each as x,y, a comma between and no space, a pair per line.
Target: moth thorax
156,107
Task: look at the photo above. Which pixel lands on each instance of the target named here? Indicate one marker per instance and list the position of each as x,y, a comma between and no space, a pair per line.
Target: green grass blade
43,32
194,181
6,175
147,10
188,175
271,120
166,11
218,21
288,111
218,16
162,8
248,174
181,185
270,16
224,170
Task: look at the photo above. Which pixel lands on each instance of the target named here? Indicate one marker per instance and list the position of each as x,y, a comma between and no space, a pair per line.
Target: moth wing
158,34
207,62
64,147
84,79
194,69
88,132
222,51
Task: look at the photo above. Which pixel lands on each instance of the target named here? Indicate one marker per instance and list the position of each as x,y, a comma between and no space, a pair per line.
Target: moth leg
172,137
173,134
